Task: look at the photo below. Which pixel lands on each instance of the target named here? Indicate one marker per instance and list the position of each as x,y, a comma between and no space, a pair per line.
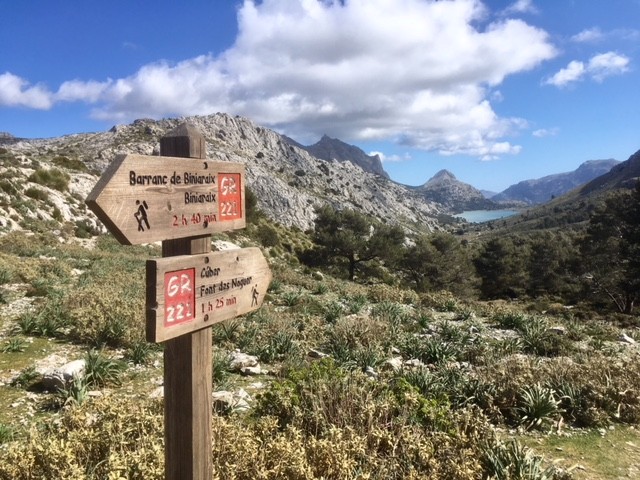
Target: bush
267,236
105,438
36,194
108,307
52,178
69,163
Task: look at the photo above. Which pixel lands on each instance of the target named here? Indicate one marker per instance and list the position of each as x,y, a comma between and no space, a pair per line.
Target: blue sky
494,91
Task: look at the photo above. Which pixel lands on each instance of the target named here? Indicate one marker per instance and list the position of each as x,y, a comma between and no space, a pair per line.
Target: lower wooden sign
190,292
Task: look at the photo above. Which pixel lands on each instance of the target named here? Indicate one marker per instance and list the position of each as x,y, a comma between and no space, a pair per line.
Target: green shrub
85,229
37,194
334,311
139,352
105,438
101,370
108,307
74,393
7,186
51,320
6,275
52,178
69,163
14,345
537,405
220,367
267,236
513,461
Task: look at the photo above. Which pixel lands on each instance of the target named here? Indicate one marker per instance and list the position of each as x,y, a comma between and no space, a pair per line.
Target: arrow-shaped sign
190,292
143,199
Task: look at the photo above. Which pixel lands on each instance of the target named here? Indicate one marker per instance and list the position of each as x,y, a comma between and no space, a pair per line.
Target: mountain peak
333,149
456,196
443,176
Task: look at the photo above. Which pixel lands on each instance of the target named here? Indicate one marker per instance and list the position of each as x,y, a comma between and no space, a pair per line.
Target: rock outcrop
287,180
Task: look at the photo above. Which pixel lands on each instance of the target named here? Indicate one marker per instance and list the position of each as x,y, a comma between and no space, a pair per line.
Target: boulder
226,402
241,360
60,377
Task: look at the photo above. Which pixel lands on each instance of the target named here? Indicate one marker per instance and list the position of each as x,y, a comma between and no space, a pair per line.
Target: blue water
479,216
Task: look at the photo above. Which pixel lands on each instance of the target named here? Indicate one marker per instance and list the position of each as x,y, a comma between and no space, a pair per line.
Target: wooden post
187,359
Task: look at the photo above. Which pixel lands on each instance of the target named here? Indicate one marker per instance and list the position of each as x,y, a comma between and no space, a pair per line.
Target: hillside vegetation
362,378
382,351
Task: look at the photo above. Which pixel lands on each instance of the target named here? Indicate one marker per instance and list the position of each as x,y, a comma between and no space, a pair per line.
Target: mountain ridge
333,149
540,190
287,181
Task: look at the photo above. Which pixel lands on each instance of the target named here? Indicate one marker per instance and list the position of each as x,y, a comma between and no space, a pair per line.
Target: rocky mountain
623,175
445,189
332,149
541,190
574,208
287,180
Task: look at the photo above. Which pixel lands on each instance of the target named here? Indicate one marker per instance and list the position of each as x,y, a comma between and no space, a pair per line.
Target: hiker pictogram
141,215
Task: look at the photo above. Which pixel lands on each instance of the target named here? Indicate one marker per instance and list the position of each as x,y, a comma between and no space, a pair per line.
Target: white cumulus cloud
415,71
17,92
597,68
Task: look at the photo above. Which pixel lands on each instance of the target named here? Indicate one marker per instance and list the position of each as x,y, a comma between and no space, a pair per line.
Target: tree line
600,264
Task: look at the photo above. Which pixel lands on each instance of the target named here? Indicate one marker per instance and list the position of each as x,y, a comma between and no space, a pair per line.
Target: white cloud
589,35
596,35
597,68
571,73
391,158
545,132
520,6
77,90
607,64
16,92
416,71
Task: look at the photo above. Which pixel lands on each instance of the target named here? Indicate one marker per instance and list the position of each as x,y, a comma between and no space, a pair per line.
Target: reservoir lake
479,216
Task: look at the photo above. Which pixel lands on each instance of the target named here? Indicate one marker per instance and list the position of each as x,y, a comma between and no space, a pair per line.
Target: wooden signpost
143,199
190,292
181,201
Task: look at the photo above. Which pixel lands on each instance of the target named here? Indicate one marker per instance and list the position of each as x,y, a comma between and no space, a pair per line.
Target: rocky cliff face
541,190
332,149
445,189
287,180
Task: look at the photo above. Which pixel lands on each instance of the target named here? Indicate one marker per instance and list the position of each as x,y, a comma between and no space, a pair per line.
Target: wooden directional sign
143,199
190,292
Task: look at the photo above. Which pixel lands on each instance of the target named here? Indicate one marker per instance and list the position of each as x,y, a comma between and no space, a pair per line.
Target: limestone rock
626,339
251,371
287,180
312,353
226,401
394,364
241,360
60,377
